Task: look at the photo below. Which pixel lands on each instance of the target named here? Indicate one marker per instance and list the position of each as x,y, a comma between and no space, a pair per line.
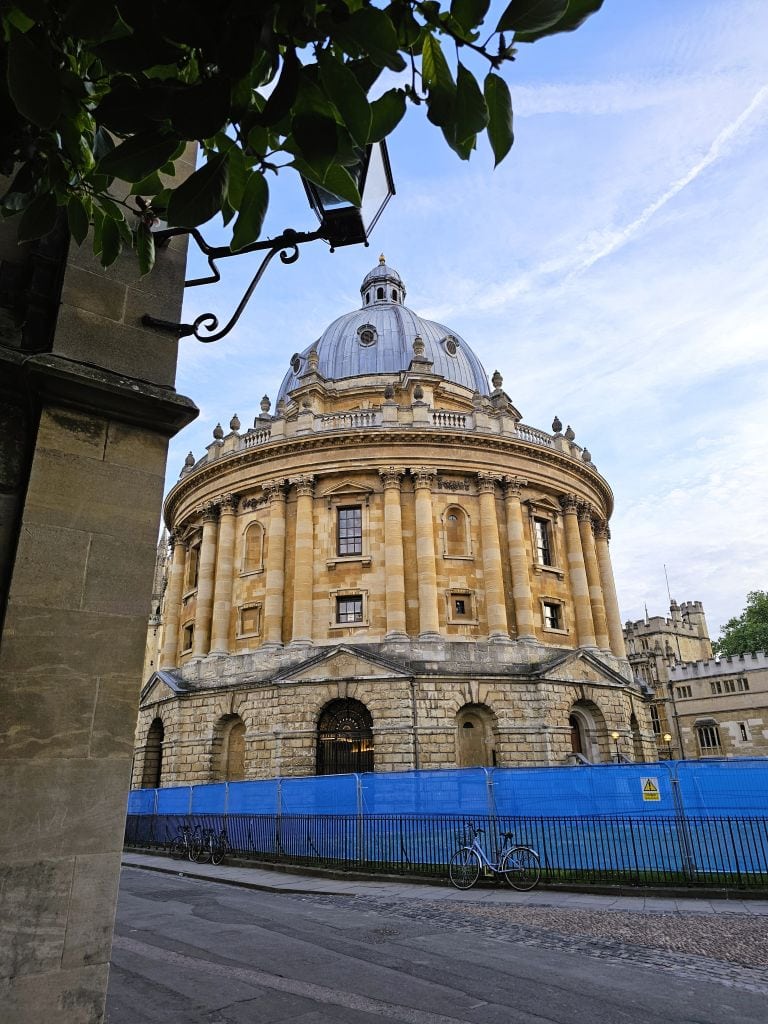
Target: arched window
457,536
475,741
577,737
637,740
367,298
153,756
344,738
253,548
229,749
394,294
379,293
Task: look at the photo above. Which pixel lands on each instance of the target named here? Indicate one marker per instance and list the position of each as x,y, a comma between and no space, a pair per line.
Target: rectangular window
683,691
744,732
543,538
715,686
459,606
552,615
193,564
250,620
743,684
187,636
655,721
709,738
349,531
349,609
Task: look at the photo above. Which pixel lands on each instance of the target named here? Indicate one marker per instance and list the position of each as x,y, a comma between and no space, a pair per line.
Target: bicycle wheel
177,848
521,868
219,851
195,848
464,868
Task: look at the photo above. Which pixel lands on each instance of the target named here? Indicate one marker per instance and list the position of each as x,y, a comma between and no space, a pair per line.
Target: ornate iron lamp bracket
287,244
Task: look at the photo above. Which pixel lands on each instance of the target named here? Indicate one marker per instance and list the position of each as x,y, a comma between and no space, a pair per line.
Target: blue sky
614,268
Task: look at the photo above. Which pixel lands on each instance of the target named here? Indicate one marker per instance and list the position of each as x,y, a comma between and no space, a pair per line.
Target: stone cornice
451,441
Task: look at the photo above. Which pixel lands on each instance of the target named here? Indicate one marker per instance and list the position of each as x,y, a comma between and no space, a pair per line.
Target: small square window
459,606
553,618
744,732
349,609
187,636
250,620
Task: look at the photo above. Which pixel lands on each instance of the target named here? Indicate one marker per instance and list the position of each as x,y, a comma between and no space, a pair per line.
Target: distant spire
646,613
382,261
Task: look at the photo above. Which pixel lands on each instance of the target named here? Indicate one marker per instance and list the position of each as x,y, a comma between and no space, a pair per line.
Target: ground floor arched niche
588,732
152,771
476,744
344,738
228,754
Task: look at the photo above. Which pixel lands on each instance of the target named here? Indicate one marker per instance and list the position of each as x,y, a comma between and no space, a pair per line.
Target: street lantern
341,222
615,736
667,737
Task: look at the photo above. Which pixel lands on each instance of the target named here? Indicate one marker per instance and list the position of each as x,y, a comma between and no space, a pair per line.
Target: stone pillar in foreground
225,561
522,595
602,536
577,573
495,603
599,619
206,568
172,605
274,584
303,580
426,571
394,566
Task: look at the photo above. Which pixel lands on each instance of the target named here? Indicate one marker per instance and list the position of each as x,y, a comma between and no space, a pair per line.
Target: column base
499,638
528,638
301,642
396,635
430,636
272,645
221,653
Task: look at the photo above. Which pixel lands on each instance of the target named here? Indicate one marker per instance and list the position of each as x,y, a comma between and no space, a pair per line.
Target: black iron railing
671,850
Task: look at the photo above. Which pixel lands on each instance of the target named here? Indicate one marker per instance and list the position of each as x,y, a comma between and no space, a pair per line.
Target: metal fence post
359,807
155,800
279,818
684,838
189,803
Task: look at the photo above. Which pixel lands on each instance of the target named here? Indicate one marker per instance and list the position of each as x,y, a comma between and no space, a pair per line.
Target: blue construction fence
728,788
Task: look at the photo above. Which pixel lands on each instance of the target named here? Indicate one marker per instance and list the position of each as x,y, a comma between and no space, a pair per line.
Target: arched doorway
153,756
577,736
475,740
344,738
588,732
229,758
637,740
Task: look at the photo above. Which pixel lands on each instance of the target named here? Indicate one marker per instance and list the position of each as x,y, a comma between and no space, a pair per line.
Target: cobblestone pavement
730,949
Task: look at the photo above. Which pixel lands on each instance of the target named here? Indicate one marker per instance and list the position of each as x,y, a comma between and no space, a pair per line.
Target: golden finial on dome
382,261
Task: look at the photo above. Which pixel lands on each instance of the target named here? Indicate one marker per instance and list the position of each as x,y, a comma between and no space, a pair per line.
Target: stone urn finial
418,392
382,261
281,406
569,433
557,426
265,404
234,423
190,460
418,346
313,360
389,392
497,380
586,455
218,432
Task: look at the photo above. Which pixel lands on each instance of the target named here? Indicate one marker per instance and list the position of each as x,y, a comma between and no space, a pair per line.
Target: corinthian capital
486,483
391,476
229,503
601,528
423,477
513,486
209,512
274,490
304,484
586,511
569,503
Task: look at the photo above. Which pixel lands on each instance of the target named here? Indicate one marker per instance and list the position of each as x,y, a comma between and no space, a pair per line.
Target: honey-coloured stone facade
395,539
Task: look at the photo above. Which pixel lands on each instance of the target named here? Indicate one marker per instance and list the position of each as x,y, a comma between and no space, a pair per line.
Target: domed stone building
391,571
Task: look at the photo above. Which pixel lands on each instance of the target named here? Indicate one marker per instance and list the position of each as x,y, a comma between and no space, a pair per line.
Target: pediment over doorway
161,686
344,662
581,667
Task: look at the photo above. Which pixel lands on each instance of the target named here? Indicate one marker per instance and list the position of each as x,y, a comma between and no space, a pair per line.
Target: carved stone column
225,563
602,536
522,595
205,578
495,603
303,577
274,583
586,513
394,568
577,574
426,571
172,605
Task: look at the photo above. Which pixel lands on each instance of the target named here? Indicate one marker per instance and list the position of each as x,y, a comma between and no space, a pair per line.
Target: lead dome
378,339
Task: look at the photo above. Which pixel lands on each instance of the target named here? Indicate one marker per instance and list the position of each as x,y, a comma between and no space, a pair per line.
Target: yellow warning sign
651,792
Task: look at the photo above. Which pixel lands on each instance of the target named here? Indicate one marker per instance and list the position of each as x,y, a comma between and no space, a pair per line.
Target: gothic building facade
391,571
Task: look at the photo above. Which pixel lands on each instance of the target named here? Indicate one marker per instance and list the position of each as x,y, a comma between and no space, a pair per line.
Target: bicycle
187,843
518,864
214,847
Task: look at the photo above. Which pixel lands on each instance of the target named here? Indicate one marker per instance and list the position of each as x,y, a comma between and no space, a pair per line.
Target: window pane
543,546
349,609
350,531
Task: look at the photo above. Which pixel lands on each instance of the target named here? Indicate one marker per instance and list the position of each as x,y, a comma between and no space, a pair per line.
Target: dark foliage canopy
747,632
98,93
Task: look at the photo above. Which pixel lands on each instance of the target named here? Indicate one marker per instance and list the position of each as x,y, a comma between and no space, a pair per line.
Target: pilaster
495,604
172,606
222,591
274,584
205,581
304,575
426,570
522,595
586,514
613,615
394,566
577,573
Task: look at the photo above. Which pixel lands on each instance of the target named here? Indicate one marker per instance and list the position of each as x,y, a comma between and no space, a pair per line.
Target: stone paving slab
278,881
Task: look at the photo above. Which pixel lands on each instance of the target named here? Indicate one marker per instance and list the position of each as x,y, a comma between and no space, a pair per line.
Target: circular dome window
451,345
295,362
366,335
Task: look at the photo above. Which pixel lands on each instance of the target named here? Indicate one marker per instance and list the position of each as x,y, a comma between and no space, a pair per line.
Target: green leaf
238,175
577,13
338,181
144,242
110,208
316,137
499,104
387,112
138,157
252,209
77,217
33,80
148,186
38,218
343,90
369,32
282,96
201,196
469,13
471,111
531,15
110,242
434,67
